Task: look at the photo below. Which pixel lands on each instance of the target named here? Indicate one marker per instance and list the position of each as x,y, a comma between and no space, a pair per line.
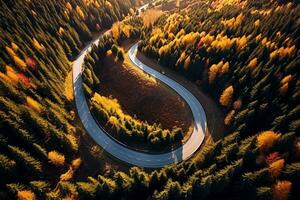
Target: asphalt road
122,152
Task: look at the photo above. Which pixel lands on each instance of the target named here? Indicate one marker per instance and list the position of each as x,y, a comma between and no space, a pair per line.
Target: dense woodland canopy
38,135
244,55
246,58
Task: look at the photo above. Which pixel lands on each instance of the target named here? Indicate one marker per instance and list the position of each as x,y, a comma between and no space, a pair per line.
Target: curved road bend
121,152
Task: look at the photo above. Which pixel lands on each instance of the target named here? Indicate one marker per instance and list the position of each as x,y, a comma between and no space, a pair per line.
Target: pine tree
24,159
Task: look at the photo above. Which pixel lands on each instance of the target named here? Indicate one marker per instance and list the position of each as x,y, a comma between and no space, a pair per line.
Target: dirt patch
142,96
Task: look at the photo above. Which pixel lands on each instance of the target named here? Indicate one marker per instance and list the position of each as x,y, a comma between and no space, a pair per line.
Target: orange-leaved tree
226,97
253,63
229,117
79,12
276,167
281,190
26,195
56,158
266,139
33,104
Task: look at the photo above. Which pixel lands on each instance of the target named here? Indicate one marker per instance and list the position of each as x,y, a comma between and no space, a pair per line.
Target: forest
243,54
250,70
106,109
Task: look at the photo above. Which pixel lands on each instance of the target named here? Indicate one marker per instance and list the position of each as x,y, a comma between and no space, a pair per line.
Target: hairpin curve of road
121,151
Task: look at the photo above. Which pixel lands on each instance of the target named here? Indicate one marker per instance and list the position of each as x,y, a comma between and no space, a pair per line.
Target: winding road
122,152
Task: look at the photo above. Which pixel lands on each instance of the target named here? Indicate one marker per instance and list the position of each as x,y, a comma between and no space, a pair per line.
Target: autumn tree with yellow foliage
226,96
267,139
253,63
56,158
26,195
33,104
281,190
229,117
284,84
80,12
276,167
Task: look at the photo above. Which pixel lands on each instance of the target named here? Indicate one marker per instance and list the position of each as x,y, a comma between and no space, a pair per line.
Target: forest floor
214,115
144,98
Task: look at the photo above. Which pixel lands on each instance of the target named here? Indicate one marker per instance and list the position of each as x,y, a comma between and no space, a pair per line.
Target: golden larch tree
33,104
20,63
56,158
225,67
257,23
190,38
76,163
253,63
276,167
14,46
116,30
266,139
286,79
258,37
108,4
12,75
213,72
281,190
226,97
229,117
10,52
114,122
283,89
79,12
284,85
26,195
127,30
242,42
38,46
69,6
67,175
61,31
187,63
